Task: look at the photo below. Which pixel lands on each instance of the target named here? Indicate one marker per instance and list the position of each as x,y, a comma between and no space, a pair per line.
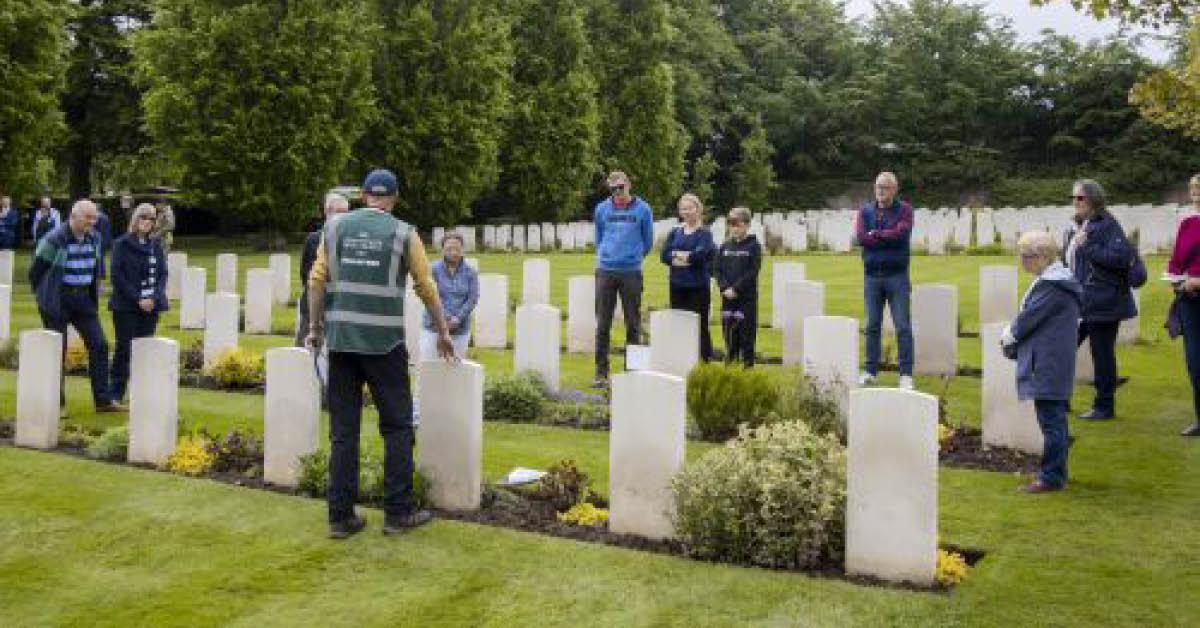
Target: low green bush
721,397
238,451
237,368
514,398
10,353
112,445
811,404
774,497
192,357
575,414
314,479
564,486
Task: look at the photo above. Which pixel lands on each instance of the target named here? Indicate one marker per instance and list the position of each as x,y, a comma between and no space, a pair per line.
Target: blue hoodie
623,236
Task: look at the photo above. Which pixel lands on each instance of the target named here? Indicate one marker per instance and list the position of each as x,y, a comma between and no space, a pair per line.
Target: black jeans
386,375
129,325
1102,338
608,285
696,300
79,310
1189,315
739,326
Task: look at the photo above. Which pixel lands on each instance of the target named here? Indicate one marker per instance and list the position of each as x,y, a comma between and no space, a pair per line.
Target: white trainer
906,382
866,379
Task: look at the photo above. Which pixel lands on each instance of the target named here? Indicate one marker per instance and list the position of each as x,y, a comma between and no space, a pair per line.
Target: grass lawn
84,543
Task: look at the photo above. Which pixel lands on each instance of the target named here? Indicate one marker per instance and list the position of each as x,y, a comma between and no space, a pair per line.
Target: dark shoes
1096,415
347,528
600,382
1038,486
111,406
1194,430
400,525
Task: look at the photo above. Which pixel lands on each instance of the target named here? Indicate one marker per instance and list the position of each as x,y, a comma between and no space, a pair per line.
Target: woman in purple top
689,251
1185,263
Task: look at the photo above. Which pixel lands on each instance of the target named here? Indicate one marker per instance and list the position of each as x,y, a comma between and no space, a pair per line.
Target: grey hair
1094,193
335,198
139,211
1038,243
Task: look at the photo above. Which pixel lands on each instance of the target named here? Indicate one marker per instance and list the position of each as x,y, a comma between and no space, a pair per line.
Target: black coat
130,265
1101,266
737,265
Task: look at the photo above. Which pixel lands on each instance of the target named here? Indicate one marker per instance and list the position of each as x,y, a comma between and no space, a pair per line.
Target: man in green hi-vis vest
356,308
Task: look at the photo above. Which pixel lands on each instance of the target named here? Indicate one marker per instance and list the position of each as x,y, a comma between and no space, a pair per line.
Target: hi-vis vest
364,303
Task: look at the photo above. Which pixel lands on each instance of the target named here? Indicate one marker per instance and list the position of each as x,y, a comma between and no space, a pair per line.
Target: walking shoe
866,379
600,382
111,406
347,528
1096,415
1194,430
399,525
1038,486
906,382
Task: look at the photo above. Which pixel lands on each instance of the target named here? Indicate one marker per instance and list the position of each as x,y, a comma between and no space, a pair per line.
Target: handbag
1174,324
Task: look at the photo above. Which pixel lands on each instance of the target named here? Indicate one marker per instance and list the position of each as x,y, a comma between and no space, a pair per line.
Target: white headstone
801,299
258,301
646,451
473,262
892,485
831,354
1085,366
536,345
935,329
1129,330
535,282
414,320
491,313
220,325
227,268
153,400
674,341
1007,421
450,440
38,382
533,238
997,294
7,261
5,312
176,264
781,273
191,302
281,270
291,413
581,314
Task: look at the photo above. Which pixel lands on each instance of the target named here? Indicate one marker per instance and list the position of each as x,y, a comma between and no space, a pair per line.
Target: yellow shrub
236,368
945,433
951,568
191,457
76,359
584,514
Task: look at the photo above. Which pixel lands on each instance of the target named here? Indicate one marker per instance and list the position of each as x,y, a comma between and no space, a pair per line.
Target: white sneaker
906,382
866,379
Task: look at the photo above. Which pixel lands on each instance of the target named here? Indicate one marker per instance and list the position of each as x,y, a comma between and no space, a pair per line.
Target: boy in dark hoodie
1042,341
736,270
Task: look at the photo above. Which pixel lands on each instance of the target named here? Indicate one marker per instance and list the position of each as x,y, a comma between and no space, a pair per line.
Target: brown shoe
1038,486
111,406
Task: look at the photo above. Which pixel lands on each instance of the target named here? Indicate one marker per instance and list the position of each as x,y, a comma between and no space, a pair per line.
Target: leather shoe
1096,415
1194,430
347,528
1038,486
399,525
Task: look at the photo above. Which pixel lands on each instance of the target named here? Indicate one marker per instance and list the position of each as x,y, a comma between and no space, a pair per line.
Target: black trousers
697,300
1102,338
386,375
129,325
79,310
739,326
1189,315
608,285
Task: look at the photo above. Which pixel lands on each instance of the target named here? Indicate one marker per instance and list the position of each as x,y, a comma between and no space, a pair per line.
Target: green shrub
10,353
314,478
237,368
76,436
721,397
810,403
192,358
314,473
575,414
514,398
238,451
774,497
112,445
564,486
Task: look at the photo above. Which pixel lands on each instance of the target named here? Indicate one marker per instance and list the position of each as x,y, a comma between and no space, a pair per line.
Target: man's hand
1190,285
315,338
453,323
445,348
147,305
729,293
1080,237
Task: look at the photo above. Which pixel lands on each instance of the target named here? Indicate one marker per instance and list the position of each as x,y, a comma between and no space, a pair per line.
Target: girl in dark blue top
689,252
139,281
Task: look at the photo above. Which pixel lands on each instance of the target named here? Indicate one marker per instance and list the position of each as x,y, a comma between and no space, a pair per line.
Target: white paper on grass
521,475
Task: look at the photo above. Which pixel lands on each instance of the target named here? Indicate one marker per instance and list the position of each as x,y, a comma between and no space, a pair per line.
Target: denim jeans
79,310
1189,315
128,325
1052,418
1102,338
894,291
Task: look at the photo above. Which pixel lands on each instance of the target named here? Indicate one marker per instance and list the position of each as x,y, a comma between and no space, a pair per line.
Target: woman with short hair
458,287
139,281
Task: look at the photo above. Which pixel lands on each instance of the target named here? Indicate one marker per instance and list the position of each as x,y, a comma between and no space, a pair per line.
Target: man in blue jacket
10,220
884,229
624,236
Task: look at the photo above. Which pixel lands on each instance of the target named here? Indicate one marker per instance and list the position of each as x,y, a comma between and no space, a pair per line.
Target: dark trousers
79,310
129,325
1052,418
894,291
1189,316
739,326
1102,338
386,375
697,300
609,285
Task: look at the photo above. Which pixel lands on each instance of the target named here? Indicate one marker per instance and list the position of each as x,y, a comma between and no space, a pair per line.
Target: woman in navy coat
139,282
1042,338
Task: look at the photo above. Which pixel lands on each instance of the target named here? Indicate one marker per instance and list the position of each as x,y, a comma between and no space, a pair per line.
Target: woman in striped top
139,280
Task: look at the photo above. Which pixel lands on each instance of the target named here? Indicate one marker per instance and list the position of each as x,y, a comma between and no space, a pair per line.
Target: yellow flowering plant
951,568
192,456
584,514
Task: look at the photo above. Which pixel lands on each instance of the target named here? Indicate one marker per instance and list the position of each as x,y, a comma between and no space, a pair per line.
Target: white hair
333,198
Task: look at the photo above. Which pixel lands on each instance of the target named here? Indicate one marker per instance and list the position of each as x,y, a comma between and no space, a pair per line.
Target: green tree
257,102
754,175
31,69
442,75
1149,12
700,183
551,153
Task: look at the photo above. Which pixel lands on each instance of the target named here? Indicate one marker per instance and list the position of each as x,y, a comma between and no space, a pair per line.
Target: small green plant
112,445
314,478
192,456
564,486
236,368
720,397
314,473
238,451
10,353
76,436
192,358
814,405
514,398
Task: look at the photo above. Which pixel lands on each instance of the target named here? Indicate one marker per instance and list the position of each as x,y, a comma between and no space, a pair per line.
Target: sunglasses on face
1079,198
143,218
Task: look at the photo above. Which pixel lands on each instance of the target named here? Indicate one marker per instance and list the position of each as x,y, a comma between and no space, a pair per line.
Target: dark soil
966,451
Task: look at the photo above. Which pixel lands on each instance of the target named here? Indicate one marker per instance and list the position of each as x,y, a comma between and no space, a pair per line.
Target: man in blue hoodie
624,236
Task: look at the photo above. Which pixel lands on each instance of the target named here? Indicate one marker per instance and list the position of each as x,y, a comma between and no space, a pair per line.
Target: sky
1028,21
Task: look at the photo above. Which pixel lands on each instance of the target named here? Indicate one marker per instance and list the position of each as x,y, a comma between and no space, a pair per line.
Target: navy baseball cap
380,183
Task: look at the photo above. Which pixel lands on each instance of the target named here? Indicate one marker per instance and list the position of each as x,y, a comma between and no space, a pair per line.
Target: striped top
80,269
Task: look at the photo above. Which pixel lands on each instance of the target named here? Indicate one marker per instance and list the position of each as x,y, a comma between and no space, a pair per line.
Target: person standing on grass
884,229
356,309
1185,264
738,262
139,291
688,251
334,204
65,276
10,223
1042,340
624,236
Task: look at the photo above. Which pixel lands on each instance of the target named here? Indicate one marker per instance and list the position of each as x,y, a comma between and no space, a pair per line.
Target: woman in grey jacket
1042,340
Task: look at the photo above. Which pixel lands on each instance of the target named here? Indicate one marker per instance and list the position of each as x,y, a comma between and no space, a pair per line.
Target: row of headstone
7,262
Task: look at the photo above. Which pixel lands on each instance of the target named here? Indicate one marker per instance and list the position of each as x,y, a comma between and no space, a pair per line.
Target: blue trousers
893,290
80,310
1052,417
1189,315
